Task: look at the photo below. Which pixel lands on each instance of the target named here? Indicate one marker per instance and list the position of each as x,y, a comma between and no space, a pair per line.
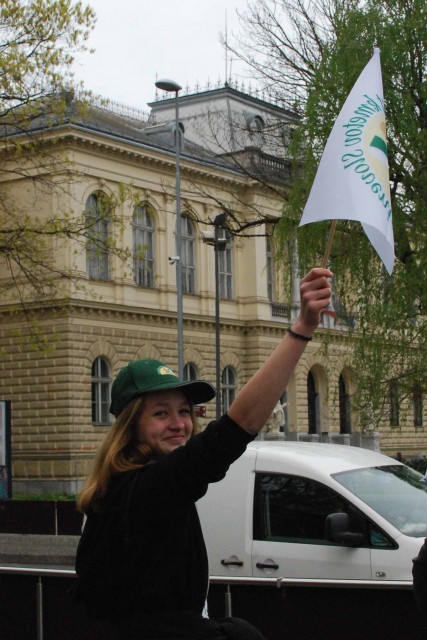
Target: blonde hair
120,451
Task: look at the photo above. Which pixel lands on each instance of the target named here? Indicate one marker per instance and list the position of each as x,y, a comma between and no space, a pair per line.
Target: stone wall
53,438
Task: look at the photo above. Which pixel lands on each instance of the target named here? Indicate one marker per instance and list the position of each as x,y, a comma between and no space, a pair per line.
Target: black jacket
144,552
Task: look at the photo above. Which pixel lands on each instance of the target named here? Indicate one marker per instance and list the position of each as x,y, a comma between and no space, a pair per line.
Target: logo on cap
165,371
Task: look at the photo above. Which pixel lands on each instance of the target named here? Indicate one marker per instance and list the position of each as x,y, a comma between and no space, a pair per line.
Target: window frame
271,280
417,406
188,255
101,381
228,387
143,266
344,406
394,404
305,519
98,223
190,373
225,265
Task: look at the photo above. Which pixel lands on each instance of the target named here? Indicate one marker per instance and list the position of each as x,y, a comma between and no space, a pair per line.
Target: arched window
188,264
313,405
101,387
97,223
345,406
254,122
417,406
143,246
225,265
271,289
228,388
190,372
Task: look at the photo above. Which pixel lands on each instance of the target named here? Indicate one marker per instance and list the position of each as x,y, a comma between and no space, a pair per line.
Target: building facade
119,308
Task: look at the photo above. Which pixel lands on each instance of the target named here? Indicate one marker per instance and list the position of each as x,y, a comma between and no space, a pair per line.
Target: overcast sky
137,41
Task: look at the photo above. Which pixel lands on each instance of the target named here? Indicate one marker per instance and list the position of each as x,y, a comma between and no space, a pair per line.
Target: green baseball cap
142,376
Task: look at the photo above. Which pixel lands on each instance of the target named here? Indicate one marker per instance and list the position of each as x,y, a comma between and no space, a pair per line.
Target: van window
293,509
397,492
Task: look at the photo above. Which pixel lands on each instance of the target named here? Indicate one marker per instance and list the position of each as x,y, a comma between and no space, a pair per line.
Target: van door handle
232,563
263,565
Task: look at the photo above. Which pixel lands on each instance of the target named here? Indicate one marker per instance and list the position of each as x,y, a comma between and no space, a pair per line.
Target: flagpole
329,244
329,311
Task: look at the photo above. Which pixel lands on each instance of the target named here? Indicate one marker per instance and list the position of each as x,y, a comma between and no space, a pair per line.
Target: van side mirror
337,529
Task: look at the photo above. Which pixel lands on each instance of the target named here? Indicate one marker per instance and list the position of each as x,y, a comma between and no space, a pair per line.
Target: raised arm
255,402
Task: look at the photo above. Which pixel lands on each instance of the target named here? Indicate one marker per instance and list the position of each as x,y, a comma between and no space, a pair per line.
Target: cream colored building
127,310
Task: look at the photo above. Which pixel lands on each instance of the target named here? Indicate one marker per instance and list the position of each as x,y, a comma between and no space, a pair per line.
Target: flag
352,180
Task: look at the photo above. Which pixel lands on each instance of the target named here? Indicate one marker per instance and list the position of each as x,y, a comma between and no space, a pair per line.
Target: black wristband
299,336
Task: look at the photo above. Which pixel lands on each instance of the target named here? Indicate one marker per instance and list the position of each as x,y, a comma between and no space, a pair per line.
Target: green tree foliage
311,54
39,39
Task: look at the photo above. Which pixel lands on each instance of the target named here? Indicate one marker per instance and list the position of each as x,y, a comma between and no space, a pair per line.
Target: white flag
352,181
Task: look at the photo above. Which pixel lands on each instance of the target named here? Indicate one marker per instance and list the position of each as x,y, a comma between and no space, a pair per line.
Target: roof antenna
226,51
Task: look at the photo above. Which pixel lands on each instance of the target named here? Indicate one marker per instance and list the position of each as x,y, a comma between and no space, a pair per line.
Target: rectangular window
225,264
143,246
188,262
417,407
100,403
101,387
144,260
294,509
270,271
97,221
225,274
394,403
97,254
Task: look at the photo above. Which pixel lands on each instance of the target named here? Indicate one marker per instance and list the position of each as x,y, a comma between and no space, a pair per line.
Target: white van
320,512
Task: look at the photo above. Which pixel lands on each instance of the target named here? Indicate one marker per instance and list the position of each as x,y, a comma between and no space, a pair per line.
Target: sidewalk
16,548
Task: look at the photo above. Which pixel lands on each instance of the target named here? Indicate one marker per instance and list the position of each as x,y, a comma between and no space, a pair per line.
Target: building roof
242,144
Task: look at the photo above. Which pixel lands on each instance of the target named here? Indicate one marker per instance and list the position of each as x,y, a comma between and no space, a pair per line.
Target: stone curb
37,549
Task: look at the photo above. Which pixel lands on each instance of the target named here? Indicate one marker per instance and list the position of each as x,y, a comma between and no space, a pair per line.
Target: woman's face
165,422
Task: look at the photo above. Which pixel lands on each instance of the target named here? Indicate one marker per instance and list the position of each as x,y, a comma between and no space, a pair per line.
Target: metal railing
63,572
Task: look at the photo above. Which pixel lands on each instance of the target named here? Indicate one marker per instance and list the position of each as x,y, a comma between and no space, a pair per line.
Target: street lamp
219,244
174,87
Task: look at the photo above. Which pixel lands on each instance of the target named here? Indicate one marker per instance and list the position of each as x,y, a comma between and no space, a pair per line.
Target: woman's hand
315,294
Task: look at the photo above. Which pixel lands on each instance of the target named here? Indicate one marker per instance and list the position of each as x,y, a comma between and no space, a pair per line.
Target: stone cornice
103,311
277,329
133,152
153,317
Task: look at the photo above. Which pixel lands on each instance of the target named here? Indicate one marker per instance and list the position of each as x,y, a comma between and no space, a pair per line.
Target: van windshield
396,492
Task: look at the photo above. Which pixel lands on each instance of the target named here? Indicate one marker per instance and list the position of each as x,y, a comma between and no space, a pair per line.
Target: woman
142,560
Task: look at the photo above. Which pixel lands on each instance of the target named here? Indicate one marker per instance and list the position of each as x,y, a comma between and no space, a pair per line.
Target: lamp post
219,244
171,86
